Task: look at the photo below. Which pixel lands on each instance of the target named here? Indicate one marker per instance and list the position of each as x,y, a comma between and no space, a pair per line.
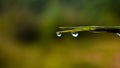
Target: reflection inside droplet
59,34
118,34
75,34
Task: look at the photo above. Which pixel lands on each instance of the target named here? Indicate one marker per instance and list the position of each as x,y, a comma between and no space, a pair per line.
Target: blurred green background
28,39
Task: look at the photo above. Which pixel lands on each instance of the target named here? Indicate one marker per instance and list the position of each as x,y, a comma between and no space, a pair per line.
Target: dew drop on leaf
118,34
59,34
75,34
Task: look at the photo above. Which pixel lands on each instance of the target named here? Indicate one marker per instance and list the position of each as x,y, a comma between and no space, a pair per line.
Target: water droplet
75,34
59,34
118,34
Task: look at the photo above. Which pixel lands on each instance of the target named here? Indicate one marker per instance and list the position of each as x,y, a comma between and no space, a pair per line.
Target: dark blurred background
28,39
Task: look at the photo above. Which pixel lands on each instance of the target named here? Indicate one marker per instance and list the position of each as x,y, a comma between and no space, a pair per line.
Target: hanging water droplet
118,34
75,34
59,34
